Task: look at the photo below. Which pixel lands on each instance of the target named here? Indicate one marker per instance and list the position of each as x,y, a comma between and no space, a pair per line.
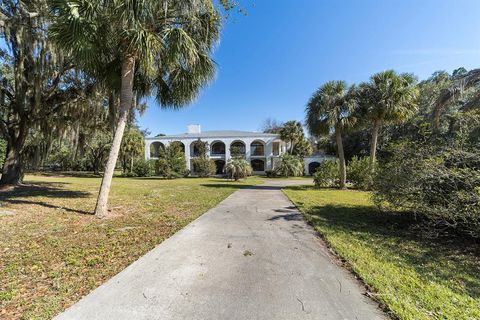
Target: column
187,154
227,150
147,150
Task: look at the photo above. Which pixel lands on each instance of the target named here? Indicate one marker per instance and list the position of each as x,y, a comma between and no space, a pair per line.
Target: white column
227,150
247,149
147,150
187,154
268,155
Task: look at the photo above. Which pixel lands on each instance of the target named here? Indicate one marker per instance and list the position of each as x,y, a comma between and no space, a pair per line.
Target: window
257,149
218,148
237,149
155,149
258,165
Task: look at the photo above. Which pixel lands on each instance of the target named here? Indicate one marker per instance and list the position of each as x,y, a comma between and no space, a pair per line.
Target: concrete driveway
251,257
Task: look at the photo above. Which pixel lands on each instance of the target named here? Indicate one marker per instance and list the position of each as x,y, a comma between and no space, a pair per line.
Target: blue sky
270,61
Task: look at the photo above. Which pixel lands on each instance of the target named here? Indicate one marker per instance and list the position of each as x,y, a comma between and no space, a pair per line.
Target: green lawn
53,251
417,278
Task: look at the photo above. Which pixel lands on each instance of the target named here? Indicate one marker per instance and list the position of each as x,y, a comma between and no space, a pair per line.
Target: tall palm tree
387,98
162,48
330,109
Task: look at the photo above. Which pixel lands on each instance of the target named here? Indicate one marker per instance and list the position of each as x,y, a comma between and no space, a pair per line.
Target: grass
415,277
53,251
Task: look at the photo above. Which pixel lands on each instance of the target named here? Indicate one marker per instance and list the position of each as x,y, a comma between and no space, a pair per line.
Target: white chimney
194,129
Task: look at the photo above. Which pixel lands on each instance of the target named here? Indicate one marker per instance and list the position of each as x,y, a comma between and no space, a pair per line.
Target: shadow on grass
233,184
27,193
74,174
397,235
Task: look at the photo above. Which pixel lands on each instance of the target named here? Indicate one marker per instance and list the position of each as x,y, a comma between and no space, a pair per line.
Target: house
261,150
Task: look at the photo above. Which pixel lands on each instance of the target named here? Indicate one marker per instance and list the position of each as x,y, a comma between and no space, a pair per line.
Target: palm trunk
126,94
373,146
341,156
111,111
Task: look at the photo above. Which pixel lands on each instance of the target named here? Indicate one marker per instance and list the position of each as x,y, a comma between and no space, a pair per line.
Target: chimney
194,129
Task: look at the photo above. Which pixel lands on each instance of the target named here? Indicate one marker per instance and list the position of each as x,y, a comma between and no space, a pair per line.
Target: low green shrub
358,172
439,183
289,166
326,174
238,169
143,168
203,167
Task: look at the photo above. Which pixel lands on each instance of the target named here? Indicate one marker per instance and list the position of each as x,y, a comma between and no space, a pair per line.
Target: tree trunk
341,156
111,111
373,146
12,172
126,93
12,168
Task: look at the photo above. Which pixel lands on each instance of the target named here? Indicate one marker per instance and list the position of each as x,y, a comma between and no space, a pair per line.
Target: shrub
441,183
238,169
143,168
289,166
358,172
326,174
80,164
171,162
203,167
270,173
61,159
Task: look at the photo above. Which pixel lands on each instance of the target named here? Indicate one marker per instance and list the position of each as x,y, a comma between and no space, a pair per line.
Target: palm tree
292,132
162,47
387,98
330,109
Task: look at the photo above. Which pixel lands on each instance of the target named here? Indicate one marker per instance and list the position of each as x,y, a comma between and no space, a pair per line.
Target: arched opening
178,144
198,148
257,165
217,148
257,148
220,164
155,148
237,149
312,167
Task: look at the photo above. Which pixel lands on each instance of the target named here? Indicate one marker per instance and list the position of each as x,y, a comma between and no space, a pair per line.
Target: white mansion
261,150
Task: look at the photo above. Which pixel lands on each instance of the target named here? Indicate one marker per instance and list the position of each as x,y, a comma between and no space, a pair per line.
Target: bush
326,174
358,172
289,166
203,167
61,159
238,169
143,168
270,173
438,182
81,164
171,163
